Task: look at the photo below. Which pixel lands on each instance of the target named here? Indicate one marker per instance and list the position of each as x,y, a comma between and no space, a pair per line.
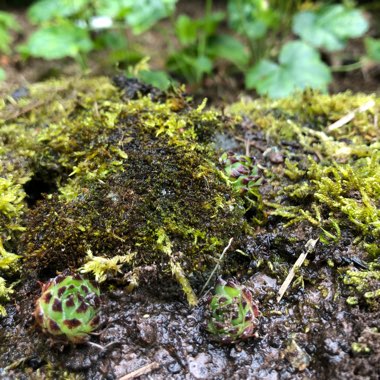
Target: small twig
310,245
247,147
141,371
100,347
347,118
217,265
16,364
347,68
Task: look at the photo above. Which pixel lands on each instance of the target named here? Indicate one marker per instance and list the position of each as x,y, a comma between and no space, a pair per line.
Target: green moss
330,178
366,283
140,176
360,348
11,210
126,176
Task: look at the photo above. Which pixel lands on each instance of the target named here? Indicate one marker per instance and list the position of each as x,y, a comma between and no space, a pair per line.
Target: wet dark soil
307,336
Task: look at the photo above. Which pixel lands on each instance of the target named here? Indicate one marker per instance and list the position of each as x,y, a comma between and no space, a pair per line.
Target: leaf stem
347,68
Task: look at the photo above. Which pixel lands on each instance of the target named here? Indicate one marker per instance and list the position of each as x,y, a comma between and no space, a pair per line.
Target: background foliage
276,45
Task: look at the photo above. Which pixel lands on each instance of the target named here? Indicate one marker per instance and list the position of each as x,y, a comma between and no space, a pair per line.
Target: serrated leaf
58,41
229,48
330,27
299,67
372,47
45,10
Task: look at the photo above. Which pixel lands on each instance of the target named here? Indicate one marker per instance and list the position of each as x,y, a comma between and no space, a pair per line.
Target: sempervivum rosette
68,308
232,313
241,171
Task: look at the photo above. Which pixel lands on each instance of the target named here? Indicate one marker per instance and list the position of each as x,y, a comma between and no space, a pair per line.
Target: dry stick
217,265
247,147
310,245
347,118
141,371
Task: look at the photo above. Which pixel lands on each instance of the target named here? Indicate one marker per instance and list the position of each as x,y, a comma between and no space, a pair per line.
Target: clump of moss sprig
365,285
11,208
102,267
330,178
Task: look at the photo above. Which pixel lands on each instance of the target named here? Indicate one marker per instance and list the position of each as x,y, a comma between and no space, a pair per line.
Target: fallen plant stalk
310,245
141,371
347,118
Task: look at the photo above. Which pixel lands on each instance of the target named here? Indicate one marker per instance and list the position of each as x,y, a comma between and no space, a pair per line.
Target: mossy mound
167,205
124,177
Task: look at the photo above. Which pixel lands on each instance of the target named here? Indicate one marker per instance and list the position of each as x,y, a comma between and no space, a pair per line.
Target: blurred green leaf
140,15
2,74
330,27
251,18
113,8
111,39
372,47
186,29
189,65
228,48
58,41
189,30
143,14
203,65
7,23
157,78
45,10
210,22
299,67
123,57
5,39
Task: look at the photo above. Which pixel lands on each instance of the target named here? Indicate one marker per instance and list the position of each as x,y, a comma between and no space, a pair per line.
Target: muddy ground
307,336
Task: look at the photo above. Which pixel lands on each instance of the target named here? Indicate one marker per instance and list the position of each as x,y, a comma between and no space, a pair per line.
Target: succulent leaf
232,313
68,307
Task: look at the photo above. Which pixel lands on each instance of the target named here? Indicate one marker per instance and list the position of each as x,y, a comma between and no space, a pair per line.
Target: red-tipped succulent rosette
68,308
241,172
232,313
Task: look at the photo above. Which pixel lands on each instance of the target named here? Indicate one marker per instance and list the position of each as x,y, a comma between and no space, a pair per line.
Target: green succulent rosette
68,308
241,172
232,313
